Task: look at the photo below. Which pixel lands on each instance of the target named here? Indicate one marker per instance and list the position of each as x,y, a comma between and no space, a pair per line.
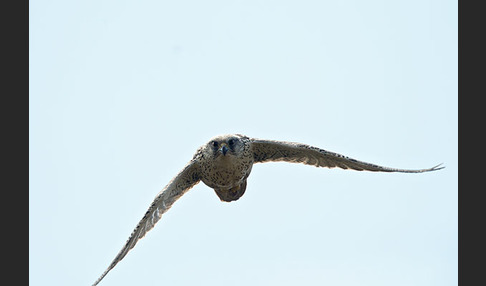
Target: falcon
224,164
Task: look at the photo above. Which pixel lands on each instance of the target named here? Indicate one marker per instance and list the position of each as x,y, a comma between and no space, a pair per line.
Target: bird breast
226,172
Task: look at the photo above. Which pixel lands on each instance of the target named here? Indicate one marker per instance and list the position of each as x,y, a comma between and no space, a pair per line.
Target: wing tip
434,168
437,167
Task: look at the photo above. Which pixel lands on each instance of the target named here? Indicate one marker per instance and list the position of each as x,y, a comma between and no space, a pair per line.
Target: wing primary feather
177,187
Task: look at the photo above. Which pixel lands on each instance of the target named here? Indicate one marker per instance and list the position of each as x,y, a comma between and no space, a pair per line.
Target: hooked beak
223,149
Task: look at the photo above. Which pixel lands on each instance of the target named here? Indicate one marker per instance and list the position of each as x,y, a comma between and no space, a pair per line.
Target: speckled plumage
224,164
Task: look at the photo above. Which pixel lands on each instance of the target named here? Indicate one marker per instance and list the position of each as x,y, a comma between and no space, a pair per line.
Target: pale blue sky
122,93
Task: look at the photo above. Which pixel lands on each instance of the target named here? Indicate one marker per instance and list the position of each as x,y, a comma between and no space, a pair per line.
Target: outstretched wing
179,185
269,150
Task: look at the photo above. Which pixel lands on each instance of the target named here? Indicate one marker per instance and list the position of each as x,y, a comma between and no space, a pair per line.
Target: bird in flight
224,164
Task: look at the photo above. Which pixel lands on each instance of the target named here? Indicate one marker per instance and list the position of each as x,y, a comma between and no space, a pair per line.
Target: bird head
225,145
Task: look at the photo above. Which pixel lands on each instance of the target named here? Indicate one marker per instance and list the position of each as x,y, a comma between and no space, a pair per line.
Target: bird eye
215,144
231,142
